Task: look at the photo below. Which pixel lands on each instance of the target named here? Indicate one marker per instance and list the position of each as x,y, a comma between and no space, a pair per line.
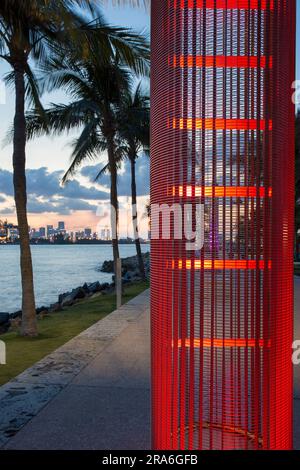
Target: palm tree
134,130
133,136
29,30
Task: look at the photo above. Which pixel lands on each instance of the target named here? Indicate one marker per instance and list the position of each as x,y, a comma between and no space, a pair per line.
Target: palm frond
58,118
86,147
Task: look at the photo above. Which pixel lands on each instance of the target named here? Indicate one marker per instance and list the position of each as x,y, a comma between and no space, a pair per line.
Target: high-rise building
87,232
50,231
42,232
61,226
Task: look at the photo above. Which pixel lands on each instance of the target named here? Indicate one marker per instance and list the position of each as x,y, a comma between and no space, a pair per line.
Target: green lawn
56,329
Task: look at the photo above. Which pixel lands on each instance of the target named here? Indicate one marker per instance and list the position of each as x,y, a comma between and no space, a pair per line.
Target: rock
85,287
105,286
129,265
109,290
76,294
61,297
107,267
95,287
42,310
79,293
67,301
55,307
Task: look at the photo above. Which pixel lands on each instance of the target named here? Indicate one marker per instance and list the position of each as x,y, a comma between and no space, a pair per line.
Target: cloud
124,177
63,206
6,183
45,193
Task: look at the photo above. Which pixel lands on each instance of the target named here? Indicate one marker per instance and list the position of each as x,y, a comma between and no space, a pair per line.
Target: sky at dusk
82,203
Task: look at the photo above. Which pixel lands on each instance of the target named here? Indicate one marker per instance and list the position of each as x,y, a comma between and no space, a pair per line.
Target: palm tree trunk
113,201
29,323
134,220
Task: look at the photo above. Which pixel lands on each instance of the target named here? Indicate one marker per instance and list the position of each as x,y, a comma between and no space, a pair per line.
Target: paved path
94,392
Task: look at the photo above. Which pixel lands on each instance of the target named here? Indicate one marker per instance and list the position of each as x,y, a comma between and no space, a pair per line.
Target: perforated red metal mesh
223,136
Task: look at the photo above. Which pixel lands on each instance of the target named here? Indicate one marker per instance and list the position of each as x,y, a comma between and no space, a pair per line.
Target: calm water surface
57,269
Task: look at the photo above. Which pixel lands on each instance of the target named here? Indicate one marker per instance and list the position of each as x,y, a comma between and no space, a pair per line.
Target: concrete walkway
94,392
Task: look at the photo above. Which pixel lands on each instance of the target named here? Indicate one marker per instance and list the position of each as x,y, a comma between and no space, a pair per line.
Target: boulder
55,307
109,290
67,301
79,293
61,297
104,286
129,264
85,287
15,324
41,310
76,294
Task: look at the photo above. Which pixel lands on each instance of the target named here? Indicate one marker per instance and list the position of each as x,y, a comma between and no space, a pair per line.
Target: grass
56,329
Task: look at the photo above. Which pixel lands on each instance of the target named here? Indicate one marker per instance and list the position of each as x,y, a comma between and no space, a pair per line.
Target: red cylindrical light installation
222,140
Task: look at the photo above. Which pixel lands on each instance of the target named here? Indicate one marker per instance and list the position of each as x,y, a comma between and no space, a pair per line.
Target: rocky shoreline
130,268
130,274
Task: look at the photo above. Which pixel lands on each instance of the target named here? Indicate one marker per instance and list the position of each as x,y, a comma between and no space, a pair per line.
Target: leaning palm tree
134,131
29,30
